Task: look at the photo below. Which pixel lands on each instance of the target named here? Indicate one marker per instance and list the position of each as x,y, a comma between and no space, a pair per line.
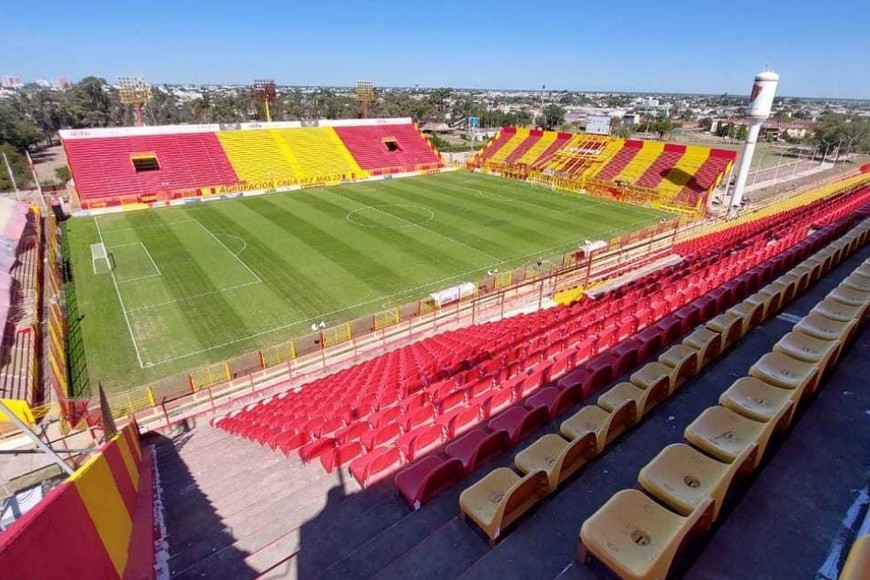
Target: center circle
387,216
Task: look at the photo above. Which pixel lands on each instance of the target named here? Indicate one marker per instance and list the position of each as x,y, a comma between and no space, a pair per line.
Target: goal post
100,259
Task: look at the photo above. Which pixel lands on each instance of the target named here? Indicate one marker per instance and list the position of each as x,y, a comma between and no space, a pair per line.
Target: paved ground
237,510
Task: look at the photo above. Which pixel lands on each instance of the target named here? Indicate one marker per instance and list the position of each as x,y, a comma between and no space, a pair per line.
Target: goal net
100,259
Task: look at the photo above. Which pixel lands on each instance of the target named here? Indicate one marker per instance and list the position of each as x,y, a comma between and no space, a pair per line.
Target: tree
662,126
552,117
19,168
852,132
16,129
93,103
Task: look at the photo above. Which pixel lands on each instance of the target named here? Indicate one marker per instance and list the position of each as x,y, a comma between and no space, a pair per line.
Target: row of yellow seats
633,534
500,498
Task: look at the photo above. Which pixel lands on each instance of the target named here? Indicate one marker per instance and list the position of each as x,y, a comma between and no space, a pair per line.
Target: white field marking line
121,301
153,263
407,225
109,231
239,260
243,240
183,299
455,241
326,315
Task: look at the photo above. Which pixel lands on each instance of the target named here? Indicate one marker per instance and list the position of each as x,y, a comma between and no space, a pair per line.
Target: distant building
61,83
43,83
11,82
631,119
778,128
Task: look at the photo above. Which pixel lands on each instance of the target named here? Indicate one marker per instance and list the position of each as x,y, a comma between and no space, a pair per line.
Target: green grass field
199,284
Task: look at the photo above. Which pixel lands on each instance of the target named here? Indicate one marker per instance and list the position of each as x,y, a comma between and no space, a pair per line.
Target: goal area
100,259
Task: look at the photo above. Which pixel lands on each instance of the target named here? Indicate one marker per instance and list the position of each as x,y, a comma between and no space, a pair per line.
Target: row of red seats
426,478
411,419
599,334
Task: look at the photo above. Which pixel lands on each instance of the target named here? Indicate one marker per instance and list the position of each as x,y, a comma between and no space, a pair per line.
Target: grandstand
668,399
674,177
159,165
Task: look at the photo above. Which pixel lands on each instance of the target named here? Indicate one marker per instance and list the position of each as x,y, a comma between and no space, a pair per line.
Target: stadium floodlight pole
265,92
757,112
135,91
365,94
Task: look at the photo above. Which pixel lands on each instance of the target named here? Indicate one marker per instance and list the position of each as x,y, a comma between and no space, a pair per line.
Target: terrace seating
638,538
102,166
464,377
389,148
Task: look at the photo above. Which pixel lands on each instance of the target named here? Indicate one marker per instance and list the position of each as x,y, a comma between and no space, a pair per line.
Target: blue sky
819,48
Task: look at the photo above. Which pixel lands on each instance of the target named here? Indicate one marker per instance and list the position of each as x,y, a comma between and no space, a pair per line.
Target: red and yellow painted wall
97,524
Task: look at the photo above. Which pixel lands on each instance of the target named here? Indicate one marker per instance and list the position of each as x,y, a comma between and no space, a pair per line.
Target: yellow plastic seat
825,258
651,374
810,349
729,325
769,303
857,566
558,458
725,434
859,283
751,313
814,269
787,289
863,270
684,362
500,498
825,328
849,296
837,310
782,371
682,477
756,399
606,426
801,279
636,537
645,400
706,342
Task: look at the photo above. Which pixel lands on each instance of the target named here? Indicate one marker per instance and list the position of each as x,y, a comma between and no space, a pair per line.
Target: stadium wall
97,524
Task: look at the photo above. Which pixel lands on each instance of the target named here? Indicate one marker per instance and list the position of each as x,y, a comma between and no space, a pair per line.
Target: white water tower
758,111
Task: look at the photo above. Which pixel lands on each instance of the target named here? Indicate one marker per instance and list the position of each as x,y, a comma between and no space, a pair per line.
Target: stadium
324,349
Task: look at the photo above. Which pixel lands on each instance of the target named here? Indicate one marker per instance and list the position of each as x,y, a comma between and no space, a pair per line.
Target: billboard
598,124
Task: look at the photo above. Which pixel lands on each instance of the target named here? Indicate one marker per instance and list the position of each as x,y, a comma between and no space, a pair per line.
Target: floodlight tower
365,94
264,91
758,111
135,91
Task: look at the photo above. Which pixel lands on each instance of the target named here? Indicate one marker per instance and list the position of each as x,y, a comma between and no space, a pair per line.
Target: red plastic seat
315,449
336,457
649,341
459,421
352,432
493,402
290,440
415,443
555,400
477,447
671,327
420,482
689,316
519,421
418,418
375,465
625,355
590,377
385,416
383,434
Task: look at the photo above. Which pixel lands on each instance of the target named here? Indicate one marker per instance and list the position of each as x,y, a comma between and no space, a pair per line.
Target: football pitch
199,284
